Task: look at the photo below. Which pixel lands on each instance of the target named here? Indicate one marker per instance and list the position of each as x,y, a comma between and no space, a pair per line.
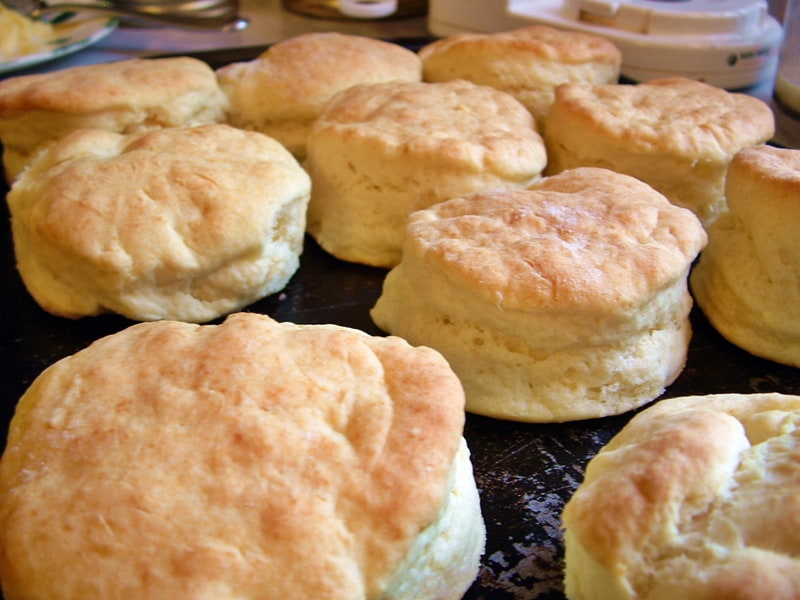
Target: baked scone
528,62
127,96
248,460
676,134
282,91
379,152
565,301
696,498
746,281
178,223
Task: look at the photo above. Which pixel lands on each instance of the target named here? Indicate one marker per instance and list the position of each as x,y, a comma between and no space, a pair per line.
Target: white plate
70,35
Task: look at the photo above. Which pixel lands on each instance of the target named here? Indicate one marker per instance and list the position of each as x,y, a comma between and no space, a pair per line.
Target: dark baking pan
525,472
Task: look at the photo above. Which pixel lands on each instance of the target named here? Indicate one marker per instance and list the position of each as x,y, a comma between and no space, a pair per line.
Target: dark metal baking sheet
525,472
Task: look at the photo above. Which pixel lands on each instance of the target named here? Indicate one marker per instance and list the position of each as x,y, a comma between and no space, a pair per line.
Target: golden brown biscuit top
702,486
124,84
538,42
141,206
775,167
587,239
779,163
298,75
246,460
764,192
670,115
453,122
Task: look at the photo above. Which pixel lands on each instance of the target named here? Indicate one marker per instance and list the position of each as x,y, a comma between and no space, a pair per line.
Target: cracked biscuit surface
247,460
564,301
178,223
695,498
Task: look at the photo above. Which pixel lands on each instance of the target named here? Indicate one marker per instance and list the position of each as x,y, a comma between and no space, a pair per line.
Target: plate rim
91,31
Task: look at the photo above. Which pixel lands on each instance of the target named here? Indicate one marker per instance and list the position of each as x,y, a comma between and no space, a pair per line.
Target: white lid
729,43
672,17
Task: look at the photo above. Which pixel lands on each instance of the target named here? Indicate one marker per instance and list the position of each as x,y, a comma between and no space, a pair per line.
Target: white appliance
732,44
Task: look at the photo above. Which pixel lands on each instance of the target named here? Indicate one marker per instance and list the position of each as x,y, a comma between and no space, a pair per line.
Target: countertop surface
269,23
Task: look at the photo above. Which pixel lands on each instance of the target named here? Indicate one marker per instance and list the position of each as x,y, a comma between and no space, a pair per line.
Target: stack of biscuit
175,221
538,222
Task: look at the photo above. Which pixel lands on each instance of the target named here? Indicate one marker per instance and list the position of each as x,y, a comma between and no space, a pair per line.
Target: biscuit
561,302
251,459
676,134
127,96
379,152
178,223
282,91
746,281
528,63
695,498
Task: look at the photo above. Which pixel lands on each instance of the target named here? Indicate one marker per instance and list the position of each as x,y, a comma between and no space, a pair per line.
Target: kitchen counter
269,23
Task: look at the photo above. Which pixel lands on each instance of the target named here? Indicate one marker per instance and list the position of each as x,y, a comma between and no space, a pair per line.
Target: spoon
185,14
